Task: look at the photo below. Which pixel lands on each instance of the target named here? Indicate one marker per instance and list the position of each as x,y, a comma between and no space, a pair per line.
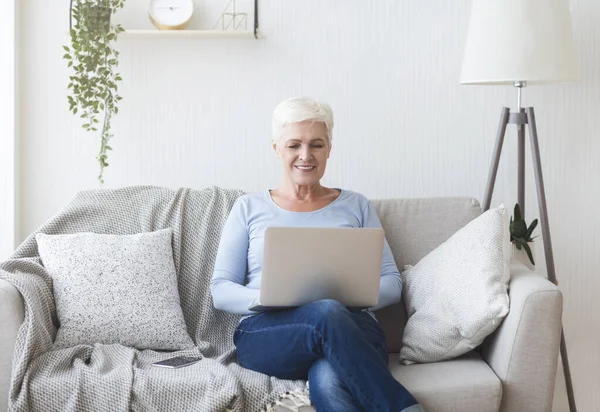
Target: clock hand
169,7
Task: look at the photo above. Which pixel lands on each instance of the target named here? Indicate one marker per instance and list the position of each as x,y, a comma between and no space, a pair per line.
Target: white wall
196,112
7,129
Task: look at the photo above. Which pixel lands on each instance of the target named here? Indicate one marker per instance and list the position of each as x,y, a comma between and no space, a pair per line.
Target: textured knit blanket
119,378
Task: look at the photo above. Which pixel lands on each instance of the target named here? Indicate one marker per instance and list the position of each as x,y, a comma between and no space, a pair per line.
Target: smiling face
303,148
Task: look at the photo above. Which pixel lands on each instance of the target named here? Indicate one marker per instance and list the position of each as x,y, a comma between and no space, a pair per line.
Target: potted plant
93,85
520,236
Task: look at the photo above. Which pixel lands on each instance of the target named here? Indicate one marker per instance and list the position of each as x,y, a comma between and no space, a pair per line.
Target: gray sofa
514,370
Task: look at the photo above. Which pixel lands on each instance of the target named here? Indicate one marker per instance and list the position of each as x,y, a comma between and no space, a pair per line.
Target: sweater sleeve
227,284
390,288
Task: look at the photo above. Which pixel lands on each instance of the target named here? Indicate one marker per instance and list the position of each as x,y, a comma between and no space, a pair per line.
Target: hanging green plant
93,86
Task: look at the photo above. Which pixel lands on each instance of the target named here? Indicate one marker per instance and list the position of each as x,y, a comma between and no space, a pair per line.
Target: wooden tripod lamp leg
541,194
495,158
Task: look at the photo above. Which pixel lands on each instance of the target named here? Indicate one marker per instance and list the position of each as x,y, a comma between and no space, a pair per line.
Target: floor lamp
520,43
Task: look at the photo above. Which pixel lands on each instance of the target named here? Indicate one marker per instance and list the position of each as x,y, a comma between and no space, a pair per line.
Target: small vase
521,255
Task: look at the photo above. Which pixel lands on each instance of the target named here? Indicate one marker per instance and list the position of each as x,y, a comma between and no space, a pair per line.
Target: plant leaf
528,250
531,228
518,229
517,212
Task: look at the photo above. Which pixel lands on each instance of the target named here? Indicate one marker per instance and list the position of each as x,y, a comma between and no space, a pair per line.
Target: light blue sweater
236,279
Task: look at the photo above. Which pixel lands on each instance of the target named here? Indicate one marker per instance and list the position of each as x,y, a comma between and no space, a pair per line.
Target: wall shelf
213,34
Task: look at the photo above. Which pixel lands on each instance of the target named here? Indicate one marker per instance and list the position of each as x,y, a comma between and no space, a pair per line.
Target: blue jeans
342,352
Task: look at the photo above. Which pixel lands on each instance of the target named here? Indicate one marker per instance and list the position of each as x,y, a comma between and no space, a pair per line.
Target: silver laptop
303,265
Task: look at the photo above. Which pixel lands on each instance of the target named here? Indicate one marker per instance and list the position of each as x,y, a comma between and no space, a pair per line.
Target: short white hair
299,109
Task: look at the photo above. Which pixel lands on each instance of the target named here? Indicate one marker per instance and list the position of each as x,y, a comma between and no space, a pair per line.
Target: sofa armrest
12,313
523,352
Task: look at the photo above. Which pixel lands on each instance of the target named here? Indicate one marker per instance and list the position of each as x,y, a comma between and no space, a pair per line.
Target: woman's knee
328,307
328,314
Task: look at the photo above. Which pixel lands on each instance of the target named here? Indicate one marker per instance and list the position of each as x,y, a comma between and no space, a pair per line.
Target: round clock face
171,13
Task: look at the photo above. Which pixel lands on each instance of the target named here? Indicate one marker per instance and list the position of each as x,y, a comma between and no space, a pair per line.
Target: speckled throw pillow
115,289
457,295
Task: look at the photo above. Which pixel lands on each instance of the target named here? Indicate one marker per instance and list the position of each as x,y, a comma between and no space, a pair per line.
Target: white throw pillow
114,289
457,294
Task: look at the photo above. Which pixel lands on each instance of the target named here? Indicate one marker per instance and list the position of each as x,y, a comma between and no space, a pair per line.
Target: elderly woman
341,351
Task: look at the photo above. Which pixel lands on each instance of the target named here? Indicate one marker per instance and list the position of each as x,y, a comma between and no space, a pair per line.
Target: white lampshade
519,40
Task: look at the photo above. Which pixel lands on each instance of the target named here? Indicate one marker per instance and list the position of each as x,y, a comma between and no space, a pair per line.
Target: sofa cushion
457,294
413,228
115,289
464,384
